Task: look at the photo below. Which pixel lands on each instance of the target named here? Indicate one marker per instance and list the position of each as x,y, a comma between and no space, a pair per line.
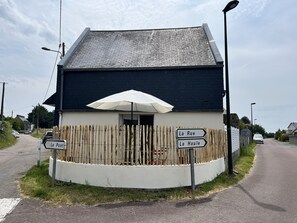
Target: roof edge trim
212,43
148,29
73,48
145,68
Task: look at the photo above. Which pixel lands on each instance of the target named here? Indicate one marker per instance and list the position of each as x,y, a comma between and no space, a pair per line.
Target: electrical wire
60,45
53,71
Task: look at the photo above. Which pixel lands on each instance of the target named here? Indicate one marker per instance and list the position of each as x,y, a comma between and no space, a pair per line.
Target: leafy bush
284,137
6,138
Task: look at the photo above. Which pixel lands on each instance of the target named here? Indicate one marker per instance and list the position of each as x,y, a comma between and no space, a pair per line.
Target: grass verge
38,184
37,134
6,141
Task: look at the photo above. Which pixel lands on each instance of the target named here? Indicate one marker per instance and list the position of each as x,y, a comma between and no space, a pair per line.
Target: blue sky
261,38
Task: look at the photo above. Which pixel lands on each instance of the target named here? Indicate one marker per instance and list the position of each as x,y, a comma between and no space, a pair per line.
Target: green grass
6,141
38,184
38,134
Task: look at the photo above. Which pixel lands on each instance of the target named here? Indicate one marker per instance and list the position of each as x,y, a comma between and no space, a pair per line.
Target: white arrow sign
191,143
190,133
55,144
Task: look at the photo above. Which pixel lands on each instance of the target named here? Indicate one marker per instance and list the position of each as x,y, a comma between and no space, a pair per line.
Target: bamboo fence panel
141,145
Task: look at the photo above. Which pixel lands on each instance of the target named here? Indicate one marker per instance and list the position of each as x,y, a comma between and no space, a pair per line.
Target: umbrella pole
131,113
132,126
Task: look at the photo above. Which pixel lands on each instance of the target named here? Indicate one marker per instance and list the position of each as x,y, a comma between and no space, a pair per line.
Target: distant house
27,124
292,128
181,66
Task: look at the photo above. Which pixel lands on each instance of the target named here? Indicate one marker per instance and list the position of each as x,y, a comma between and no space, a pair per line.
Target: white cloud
19,24
261,40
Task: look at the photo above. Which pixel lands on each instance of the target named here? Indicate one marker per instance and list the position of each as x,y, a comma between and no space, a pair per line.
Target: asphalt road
268,194
15,161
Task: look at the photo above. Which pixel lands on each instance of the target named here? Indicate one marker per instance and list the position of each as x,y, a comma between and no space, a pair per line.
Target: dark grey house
181,66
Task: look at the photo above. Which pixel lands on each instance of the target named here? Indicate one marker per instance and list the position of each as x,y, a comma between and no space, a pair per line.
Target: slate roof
136,49
294,124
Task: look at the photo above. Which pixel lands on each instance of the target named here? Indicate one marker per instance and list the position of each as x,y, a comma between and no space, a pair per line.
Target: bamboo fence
137,145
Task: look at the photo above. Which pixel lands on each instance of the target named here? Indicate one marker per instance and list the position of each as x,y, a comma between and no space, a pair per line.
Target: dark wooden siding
185,89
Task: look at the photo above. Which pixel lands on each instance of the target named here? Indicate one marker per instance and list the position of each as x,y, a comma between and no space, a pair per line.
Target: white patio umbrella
132,100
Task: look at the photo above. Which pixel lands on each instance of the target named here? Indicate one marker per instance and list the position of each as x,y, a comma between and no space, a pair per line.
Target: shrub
6,138
284,137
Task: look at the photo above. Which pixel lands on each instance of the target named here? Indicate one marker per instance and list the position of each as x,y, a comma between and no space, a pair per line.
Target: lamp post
61,78
33,113
2,101
57,51
252,123
231,5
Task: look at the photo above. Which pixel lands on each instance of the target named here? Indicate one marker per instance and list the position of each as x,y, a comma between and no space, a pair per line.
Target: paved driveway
268,194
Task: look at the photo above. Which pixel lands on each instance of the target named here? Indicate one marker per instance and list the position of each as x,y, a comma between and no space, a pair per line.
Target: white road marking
7,205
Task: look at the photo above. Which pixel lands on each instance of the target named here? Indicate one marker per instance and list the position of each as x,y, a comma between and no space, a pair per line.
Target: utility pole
2,102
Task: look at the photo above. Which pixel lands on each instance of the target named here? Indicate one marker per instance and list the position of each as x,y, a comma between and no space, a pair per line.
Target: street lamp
33,116
57,51
231,5
252,117
2,101
62,78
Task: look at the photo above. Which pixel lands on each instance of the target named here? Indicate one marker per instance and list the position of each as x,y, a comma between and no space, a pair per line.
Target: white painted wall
145,177
212,120
90,118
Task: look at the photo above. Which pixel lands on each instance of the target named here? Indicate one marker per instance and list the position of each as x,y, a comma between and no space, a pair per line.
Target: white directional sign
191,143
190,133
55,144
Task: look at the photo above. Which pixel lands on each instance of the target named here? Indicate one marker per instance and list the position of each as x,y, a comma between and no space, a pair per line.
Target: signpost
190,139
55,144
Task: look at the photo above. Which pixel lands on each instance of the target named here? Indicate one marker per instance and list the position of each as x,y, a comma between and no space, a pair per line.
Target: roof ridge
137,30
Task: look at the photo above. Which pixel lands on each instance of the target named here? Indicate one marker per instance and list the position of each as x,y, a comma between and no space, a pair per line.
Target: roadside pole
38,158
54,167
54,145
191,154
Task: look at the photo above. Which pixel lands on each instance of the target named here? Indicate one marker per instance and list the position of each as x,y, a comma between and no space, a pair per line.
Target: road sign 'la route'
191,143
190,133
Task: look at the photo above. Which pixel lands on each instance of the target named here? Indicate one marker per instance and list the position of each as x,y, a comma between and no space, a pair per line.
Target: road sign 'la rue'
190,133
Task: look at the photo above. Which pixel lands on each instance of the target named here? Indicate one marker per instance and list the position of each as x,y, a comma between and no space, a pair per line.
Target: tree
41,117
233,119
258,129
269,135
16,123
281,135
245,120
